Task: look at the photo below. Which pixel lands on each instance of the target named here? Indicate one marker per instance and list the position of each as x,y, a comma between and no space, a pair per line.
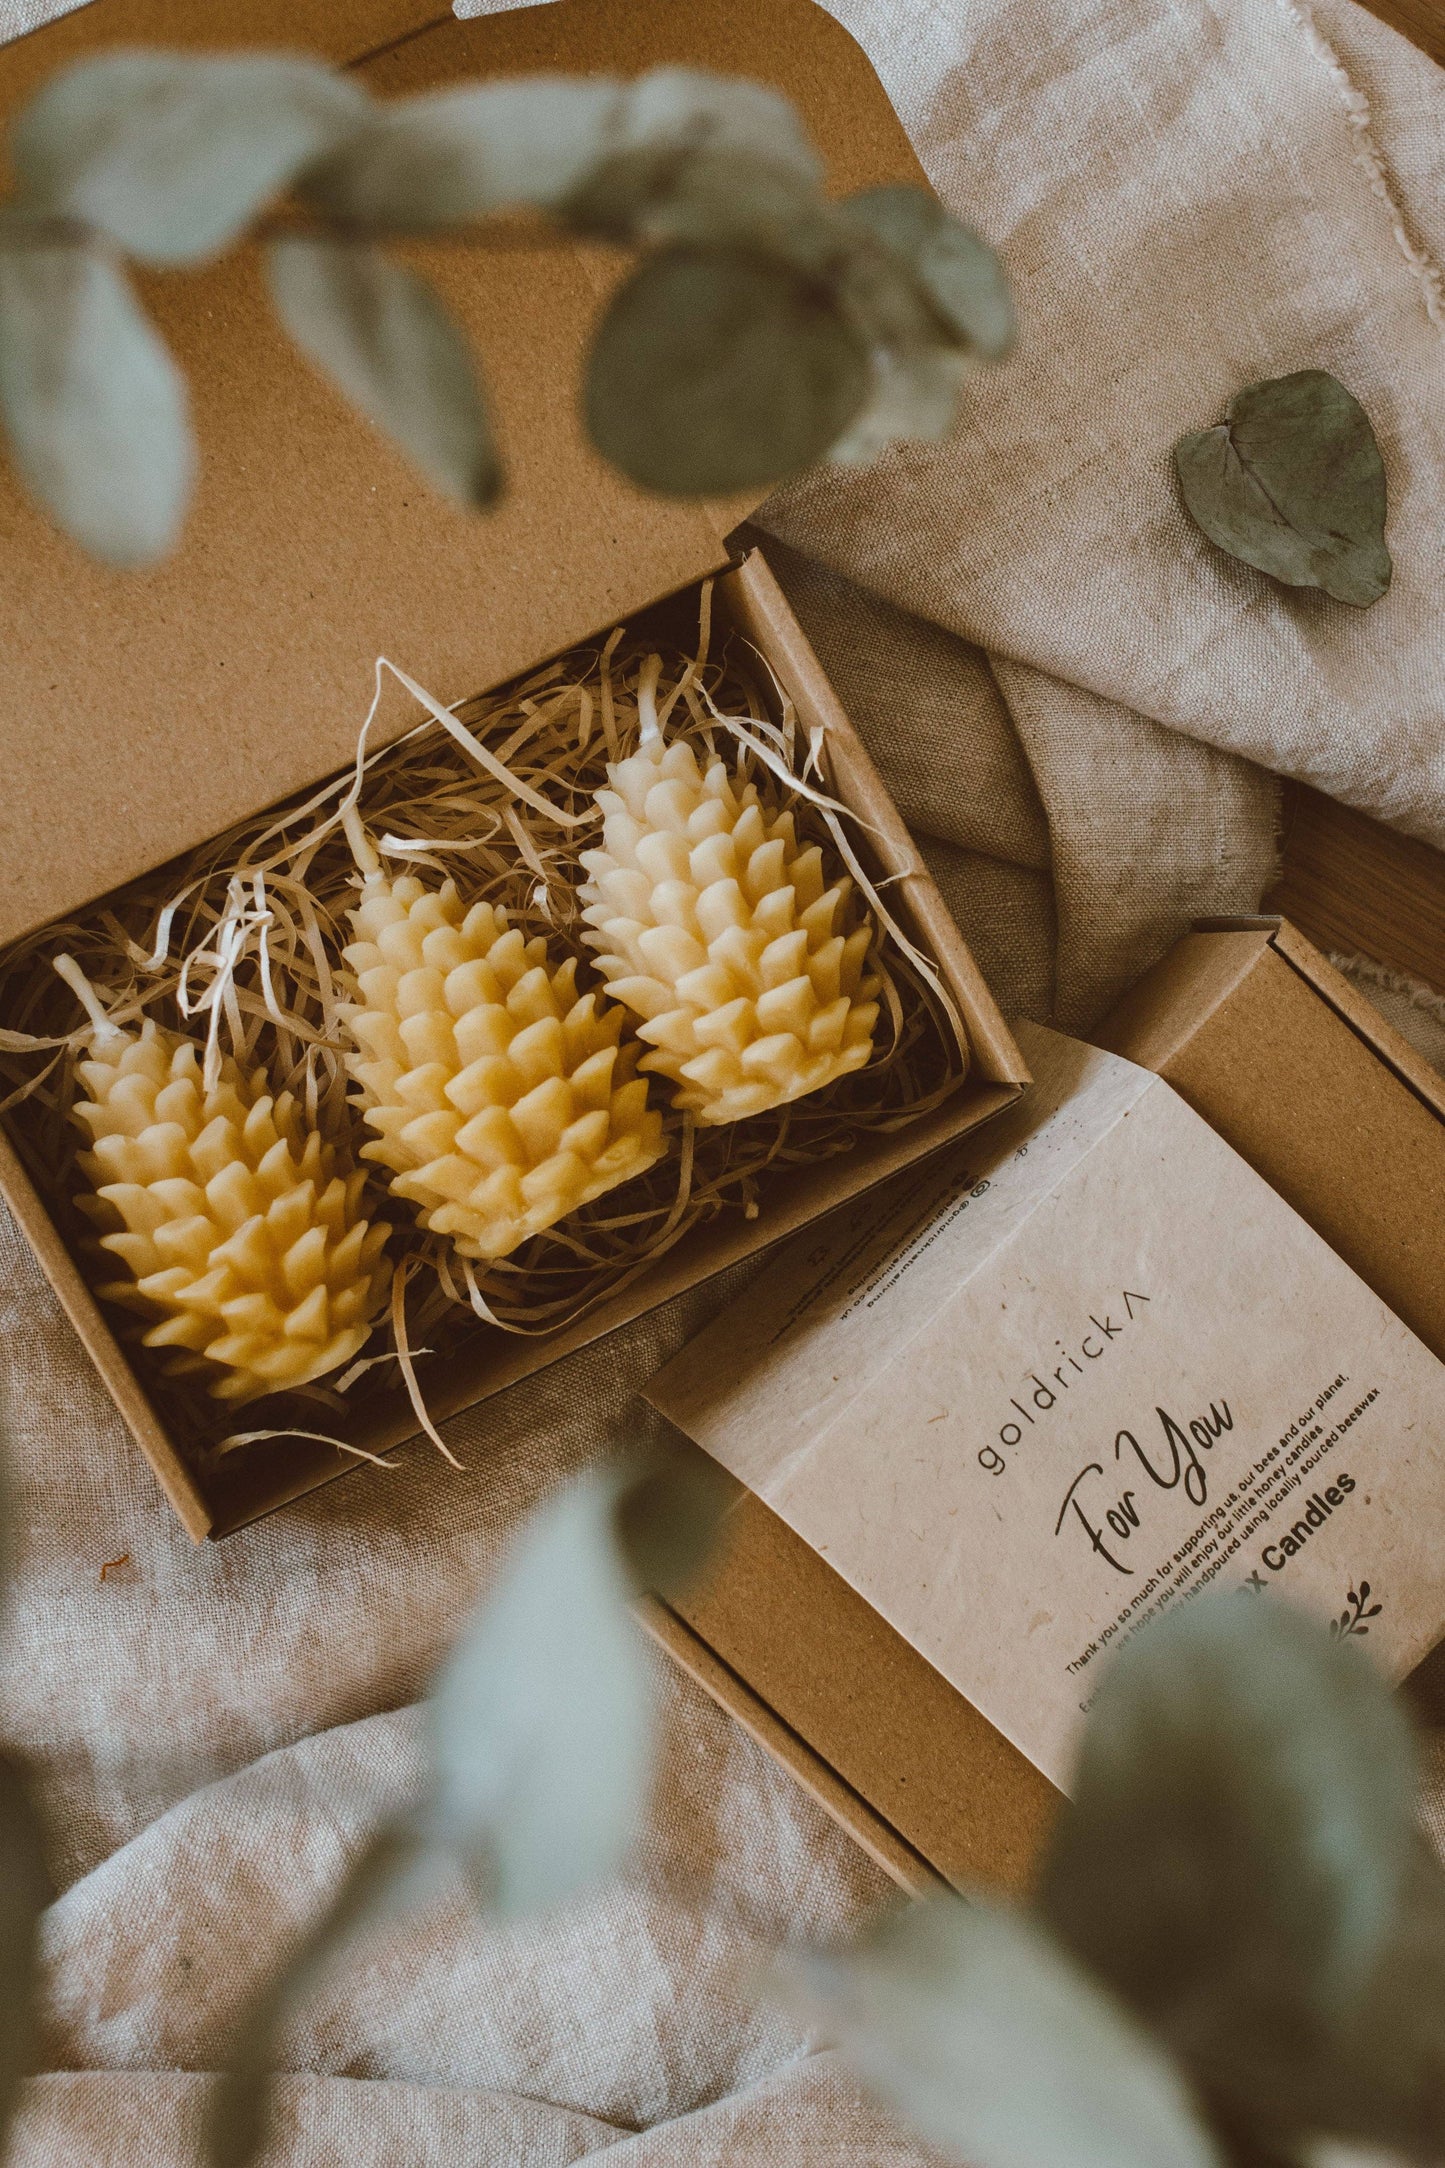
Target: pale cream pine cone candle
239,1237
721,934
502,1099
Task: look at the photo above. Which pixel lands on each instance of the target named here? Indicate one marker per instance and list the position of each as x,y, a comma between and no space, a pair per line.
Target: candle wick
363,850
101,1024
650,730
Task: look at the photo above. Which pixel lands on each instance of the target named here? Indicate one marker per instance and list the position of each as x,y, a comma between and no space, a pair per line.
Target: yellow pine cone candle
719,932
501,1098
238,1236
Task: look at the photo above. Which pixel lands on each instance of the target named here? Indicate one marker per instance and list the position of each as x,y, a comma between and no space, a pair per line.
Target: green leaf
915,394
171,154
1384,2081
674,152
237,2115
24,1893
1240,1830
679,109
693,156
384,337
1292,482
94,406
453,155
672,1508
959,273
999,2049
719,370
542,1718
648,197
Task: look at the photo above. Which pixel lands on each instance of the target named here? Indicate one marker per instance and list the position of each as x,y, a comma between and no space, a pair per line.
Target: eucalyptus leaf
236,2118
384,337
1291,481
94,406
458,154
542,1719
647,197
24,1893
914,394
172,154
672,1509
675,109
1384,2081
1240,1831
917,362
720,370
691,155
957,270
1001,2050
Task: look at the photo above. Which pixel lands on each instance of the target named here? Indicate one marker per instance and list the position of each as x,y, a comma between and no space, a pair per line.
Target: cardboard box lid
1309,1083
145,712
1348,1129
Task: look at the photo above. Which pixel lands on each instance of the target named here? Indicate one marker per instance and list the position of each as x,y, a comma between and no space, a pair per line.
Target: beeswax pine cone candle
239,1237
502,1099
714,927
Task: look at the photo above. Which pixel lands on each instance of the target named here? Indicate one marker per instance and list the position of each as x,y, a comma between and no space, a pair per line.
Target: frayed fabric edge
1364,970
1368,158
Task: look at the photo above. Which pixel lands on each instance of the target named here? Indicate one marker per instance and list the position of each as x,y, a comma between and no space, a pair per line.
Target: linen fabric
1189,198
217,1729
1076,702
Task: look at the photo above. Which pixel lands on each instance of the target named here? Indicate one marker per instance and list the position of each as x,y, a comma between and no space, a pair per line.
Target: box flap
1363,1017
892,1852
147,711
1311,1085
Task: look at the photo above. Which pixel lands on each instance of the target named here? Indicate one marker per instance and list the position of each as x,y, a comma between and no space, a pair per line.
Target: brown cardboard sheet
145,712
1304,1079
921,1773
1259,1033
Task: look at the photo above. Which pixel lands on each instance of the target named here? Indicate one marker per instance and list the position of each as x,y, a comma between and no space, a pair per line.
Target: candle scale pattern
501,1098
242,1242
724,937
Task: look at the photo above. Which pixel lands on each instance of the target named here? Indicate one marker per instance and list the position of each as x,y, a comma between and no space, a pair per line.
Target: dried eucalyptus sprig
1237,1948
764,329
541,1740
1292,482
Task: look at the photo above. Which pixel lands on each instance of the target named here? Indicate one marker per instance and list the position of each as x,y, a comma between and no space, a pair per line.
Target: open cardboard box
1309,1084
146,714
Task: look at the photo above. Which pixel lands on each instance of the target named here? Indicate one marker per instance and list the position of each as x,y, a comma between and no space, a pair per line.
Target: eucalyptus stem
767,327
21,229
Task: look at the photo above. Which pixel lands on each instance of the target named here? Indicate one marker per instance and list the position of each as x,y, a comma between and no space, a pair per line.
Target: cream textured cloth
1060,678
1189,197
217,1729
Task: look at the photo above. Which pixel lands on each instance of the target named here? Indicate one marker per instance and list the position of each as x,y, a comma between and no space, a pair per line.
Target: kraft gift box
146,713
1005,1430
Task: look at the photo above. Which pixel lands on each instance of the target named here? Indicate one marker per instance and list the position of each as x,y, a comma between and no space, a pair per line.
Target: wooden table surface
1422,21
1350,883
1346,881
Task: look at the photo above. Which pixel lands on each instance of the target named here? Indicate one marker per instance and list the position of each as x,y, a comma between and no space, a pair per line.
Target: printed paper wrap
1081,1369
